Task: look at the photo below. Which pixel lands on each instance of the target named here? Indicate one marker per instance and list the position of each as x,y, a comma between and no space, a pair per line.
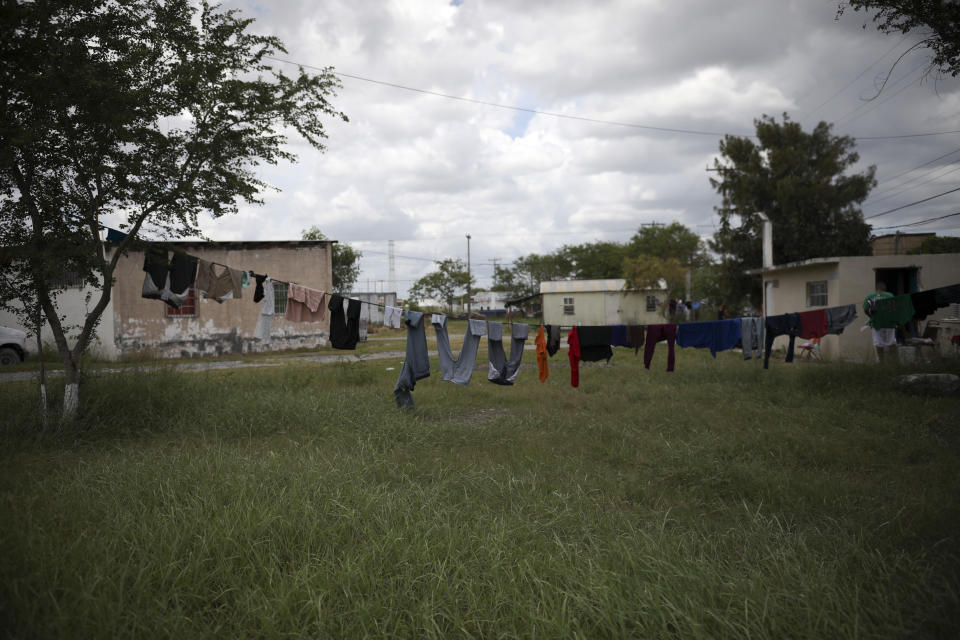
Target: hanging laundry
595,343
344,332
416,365
813,324
553,339
156,264
839,317
635,337
619,335
338,323
927,302
258,292
656,333
716,335
503,371
114,236
265,320
219,286
923,304
889,312
751,332
245,279
304,304
788,325
573,353
944,296
393,317
458,371
543,369
168,280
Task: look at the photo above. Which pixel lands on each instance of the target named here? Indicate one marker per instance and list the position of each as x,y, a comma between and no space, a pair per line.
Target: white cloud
425,170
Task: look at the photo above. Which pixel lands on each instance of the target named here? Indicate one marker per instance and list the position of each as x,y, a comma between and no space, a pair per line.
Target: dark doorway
900,280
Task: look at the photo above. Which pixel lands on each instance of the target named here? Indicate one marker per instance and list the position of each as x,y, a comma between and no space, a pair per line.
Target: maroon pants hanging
656,333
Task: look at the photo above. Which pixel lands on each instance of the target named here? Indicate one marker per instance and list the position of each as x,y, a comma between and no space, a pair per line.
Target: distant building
896,244
373,312
599,302
490,300
132,324
829,282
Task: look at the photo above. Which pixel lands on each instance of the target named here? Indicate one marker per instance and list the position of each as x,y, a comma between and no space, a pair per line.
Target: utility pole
468,275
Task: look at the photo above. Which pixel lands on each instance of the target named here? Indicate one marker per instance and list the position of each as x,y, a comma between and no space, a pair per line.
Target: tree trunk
43,370
71,389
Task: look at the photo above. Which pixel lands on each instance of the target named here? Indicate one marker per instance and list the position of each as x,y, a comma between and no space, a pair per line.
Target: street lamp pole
468,276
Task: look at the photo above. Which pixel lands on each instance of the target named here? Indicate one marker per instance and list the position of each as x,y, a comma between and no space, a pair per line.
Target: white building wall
73,305
849,280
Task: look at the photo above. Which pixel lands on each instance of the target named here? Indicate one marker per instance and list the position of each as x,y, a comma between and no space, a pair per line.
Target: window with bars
188,309
568,306
280,297
651,303
817,294
67,280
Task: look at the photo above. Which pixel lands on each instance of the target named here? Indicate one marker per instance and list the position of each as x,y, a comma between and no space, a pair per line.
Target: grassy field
720,501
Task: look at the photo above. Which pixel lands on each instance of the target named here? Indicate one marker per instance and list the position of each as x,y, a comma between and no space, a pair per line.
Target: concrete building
132,324
829,282
599,302
895,244
373,313
490,300
489,303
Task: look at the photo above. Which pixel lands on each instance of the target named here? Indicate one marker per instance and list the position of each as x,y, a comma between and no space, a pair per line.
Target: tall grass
297,501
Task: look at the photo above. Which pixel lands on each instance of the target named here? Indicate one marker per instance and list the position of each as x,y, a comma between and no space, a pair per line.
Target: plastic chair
810,349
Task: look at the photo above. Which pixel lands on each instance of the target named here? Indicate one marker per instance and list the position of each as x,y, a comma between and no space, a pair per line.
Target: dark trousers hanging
656,333
788,324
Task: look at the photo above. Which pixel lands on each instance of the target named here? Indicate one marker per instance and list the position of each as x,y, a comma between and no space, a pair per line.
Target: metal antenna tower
392,262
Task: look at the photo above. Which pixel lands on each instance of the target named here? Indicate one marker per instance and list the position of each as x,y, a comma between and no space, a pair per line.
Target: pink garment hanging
305,304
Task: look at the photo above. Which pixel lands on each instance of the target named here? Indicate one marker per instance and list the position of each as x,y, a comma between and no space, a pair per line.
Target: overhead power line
904,188
566,116
920,166
860,75
883,213
918,223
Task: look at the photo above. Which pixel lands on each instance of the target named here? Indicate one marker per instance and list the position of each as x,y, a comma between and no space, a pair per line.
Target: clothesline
593,342
112,237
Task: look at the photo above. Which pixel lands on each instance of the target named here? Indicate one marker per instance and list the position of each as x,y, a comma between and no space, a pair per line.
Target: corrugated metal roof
586,286
582,286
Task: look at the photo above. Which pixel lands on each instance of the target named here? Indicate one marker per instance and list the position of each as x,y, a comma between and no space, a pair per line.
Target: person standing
722,312
883,338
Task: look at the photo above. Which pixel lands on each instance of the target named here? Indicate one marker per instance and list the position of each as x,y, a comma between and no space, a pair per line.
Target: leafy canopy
799,181
937,21
651,249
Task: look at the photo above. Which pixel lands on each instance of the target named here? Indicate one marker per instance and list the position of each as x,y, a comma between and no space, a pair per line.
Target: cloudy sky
424,170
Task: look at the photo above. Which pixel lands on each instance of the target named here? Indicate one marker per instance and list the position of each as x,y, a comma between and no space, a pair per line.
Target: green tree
938,22
797,179
938,244
671,241
524,278
649,272
594,260
345,260
449,280
152,110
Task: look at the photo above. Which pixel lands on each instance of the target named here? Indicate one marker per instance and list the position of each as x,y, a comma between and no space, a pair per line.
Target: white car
13,345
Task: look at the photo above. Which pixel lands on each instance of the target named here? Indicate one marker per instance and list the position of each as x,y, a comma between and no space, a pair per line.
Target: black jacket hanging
344,332
338,324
